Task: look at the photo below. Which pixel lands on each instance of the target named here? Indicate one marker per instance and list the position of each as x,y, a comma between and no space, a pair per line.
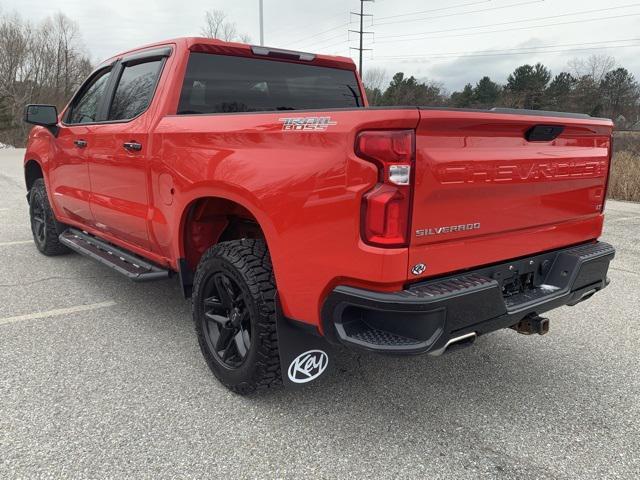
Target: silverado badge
423,232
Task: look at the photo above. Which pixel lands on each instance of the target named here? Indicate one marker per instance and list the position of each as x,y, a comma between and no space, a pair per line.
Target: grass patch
626,142
624,183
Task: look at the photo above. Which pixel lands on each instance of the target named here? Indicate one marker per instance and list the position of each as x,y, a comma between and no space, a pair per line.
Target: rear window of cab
225,84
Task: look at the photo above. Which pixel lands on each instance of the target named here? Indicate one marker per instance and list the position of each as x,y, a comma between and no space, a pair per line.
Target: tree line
595,85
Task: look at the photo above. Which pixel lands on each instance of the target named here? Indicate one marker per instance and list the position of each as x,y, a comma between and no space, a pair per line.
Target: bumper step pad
373,336
124,262
428,314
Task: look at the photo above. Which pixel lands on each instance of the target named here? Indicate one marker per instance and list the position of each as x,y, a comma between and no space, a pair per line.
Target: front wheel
43,222
234,313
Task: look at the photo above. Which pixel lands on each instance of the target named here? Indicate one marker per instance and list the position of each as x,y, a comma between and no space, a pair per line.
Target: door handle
132,146
80,143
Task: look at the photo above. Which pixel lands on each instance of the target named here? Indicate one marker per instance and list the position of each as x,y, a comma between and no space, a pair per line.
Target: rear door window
222,83
135,90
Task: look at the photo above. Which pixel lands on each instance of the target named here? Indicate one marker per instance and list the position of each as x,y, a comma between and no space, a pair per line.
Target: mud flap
304,354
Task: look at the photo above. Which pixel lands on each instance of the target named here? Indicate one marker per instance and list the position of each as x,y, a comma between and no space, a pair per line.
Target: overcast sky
450,42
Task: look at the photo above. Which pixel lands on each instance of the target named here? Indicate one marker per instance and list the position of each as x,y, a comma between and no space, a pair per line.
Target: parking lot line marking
56,312
17,242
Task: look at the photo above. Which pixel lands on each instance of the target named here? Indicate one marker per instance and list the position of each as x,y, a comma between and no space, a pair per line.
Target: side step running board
129,264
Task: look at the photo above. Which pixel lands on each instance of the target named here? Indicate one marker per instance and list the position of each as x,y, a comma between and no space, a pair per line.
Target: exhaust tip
456,343
461,342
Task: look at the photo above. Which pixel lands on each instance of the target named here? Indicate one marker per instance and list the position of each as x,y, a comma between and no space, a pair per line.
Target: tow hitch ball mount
532,324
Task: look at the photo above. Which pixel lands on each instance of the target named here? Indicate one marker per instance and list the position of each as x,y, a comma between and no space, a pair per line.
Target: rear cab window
225,84
135,90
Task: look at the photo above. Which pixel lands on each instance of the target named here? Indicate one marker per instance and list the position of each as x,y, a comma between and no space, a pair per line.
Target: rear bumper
428,315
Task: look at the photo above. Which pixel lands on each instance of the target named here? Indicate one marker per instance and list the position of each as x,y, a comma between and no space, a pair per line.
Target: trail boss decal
423,232
308,366
307,124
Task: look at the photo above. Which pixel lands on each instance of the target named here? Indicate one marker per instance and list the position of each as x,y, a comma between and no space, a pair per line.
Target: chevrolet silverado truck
298,218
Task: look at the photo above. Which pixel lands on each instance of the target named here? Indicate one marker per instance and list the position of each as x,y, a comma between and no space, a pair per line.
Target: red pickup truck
299,218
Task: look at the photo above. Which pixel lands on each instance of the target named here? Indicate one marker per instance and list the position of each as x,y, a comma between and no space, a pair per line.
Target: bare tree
217,25
38,64
214,19
374,80
594,66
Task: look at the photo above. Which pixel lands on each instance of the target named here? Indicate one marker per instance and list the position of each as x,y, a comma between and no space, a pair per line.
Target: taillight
386,208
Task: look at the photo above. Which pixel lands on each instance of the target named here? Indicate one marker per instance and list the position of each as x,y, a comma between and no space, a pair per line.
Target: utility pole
361,32
262,25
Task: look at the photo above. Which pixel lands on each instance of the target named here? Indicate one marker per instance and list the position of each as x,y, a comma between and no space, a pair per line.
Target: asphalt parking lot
101,377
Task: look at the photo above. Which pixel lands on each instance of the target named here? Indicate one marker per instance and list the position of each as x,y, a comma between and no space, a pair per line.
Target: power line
324,40
343,41
511,29
361,32
501,7
321,45
516,51
302,28
298,28
435,9
426,57
584,12
309,37
421,35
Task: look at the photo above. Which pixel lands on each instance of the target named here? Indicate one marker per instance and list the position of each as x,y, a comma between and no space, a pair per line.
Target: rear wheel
44,226
234,313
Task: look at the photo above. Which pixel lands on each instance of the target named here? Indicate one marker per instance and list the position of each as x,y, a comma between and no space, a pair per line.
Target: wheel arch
209,219
32,171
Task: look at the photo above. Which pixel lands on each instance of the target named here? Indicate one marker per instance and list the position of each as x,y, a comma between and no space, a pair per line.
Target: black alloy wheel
44,226
38,224
226,320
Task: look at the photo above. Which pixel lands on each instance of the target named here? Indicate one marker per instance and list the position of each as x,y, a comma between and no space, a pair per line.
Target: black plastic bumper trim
426,315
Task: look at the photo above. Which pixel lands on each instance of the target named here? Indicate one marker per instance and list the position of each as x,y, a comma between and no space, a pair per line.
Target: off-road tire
46,236
248,263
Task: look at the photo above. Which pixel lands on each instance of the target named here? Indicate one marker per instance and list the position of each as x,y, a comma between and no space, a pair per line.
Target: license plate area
519,276
528,280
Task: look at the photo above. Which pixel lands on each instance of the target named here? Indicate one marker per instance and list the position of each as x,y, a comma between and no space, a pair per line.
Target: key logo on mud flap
308,366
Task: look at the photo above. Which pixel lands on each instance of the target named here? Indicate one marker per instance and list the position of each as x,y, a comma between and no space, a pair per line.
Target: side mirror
43,115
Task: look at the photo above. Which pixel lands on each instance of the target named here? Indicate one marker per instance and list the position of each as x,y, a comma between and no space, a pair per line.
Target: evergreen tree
486,93
463,99
559,95
528,83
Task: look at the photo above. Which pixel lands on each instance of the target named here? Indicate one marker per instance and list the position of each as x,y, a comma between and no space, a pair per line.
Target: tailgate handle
543,133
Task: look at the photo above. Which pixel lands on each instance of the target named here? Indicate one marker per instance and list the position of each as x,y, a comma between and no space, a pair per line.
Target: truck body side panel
303,187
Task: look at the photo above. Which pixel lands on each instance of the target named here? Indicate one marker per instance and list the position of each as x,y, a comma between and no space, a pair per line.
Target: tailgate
488,191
